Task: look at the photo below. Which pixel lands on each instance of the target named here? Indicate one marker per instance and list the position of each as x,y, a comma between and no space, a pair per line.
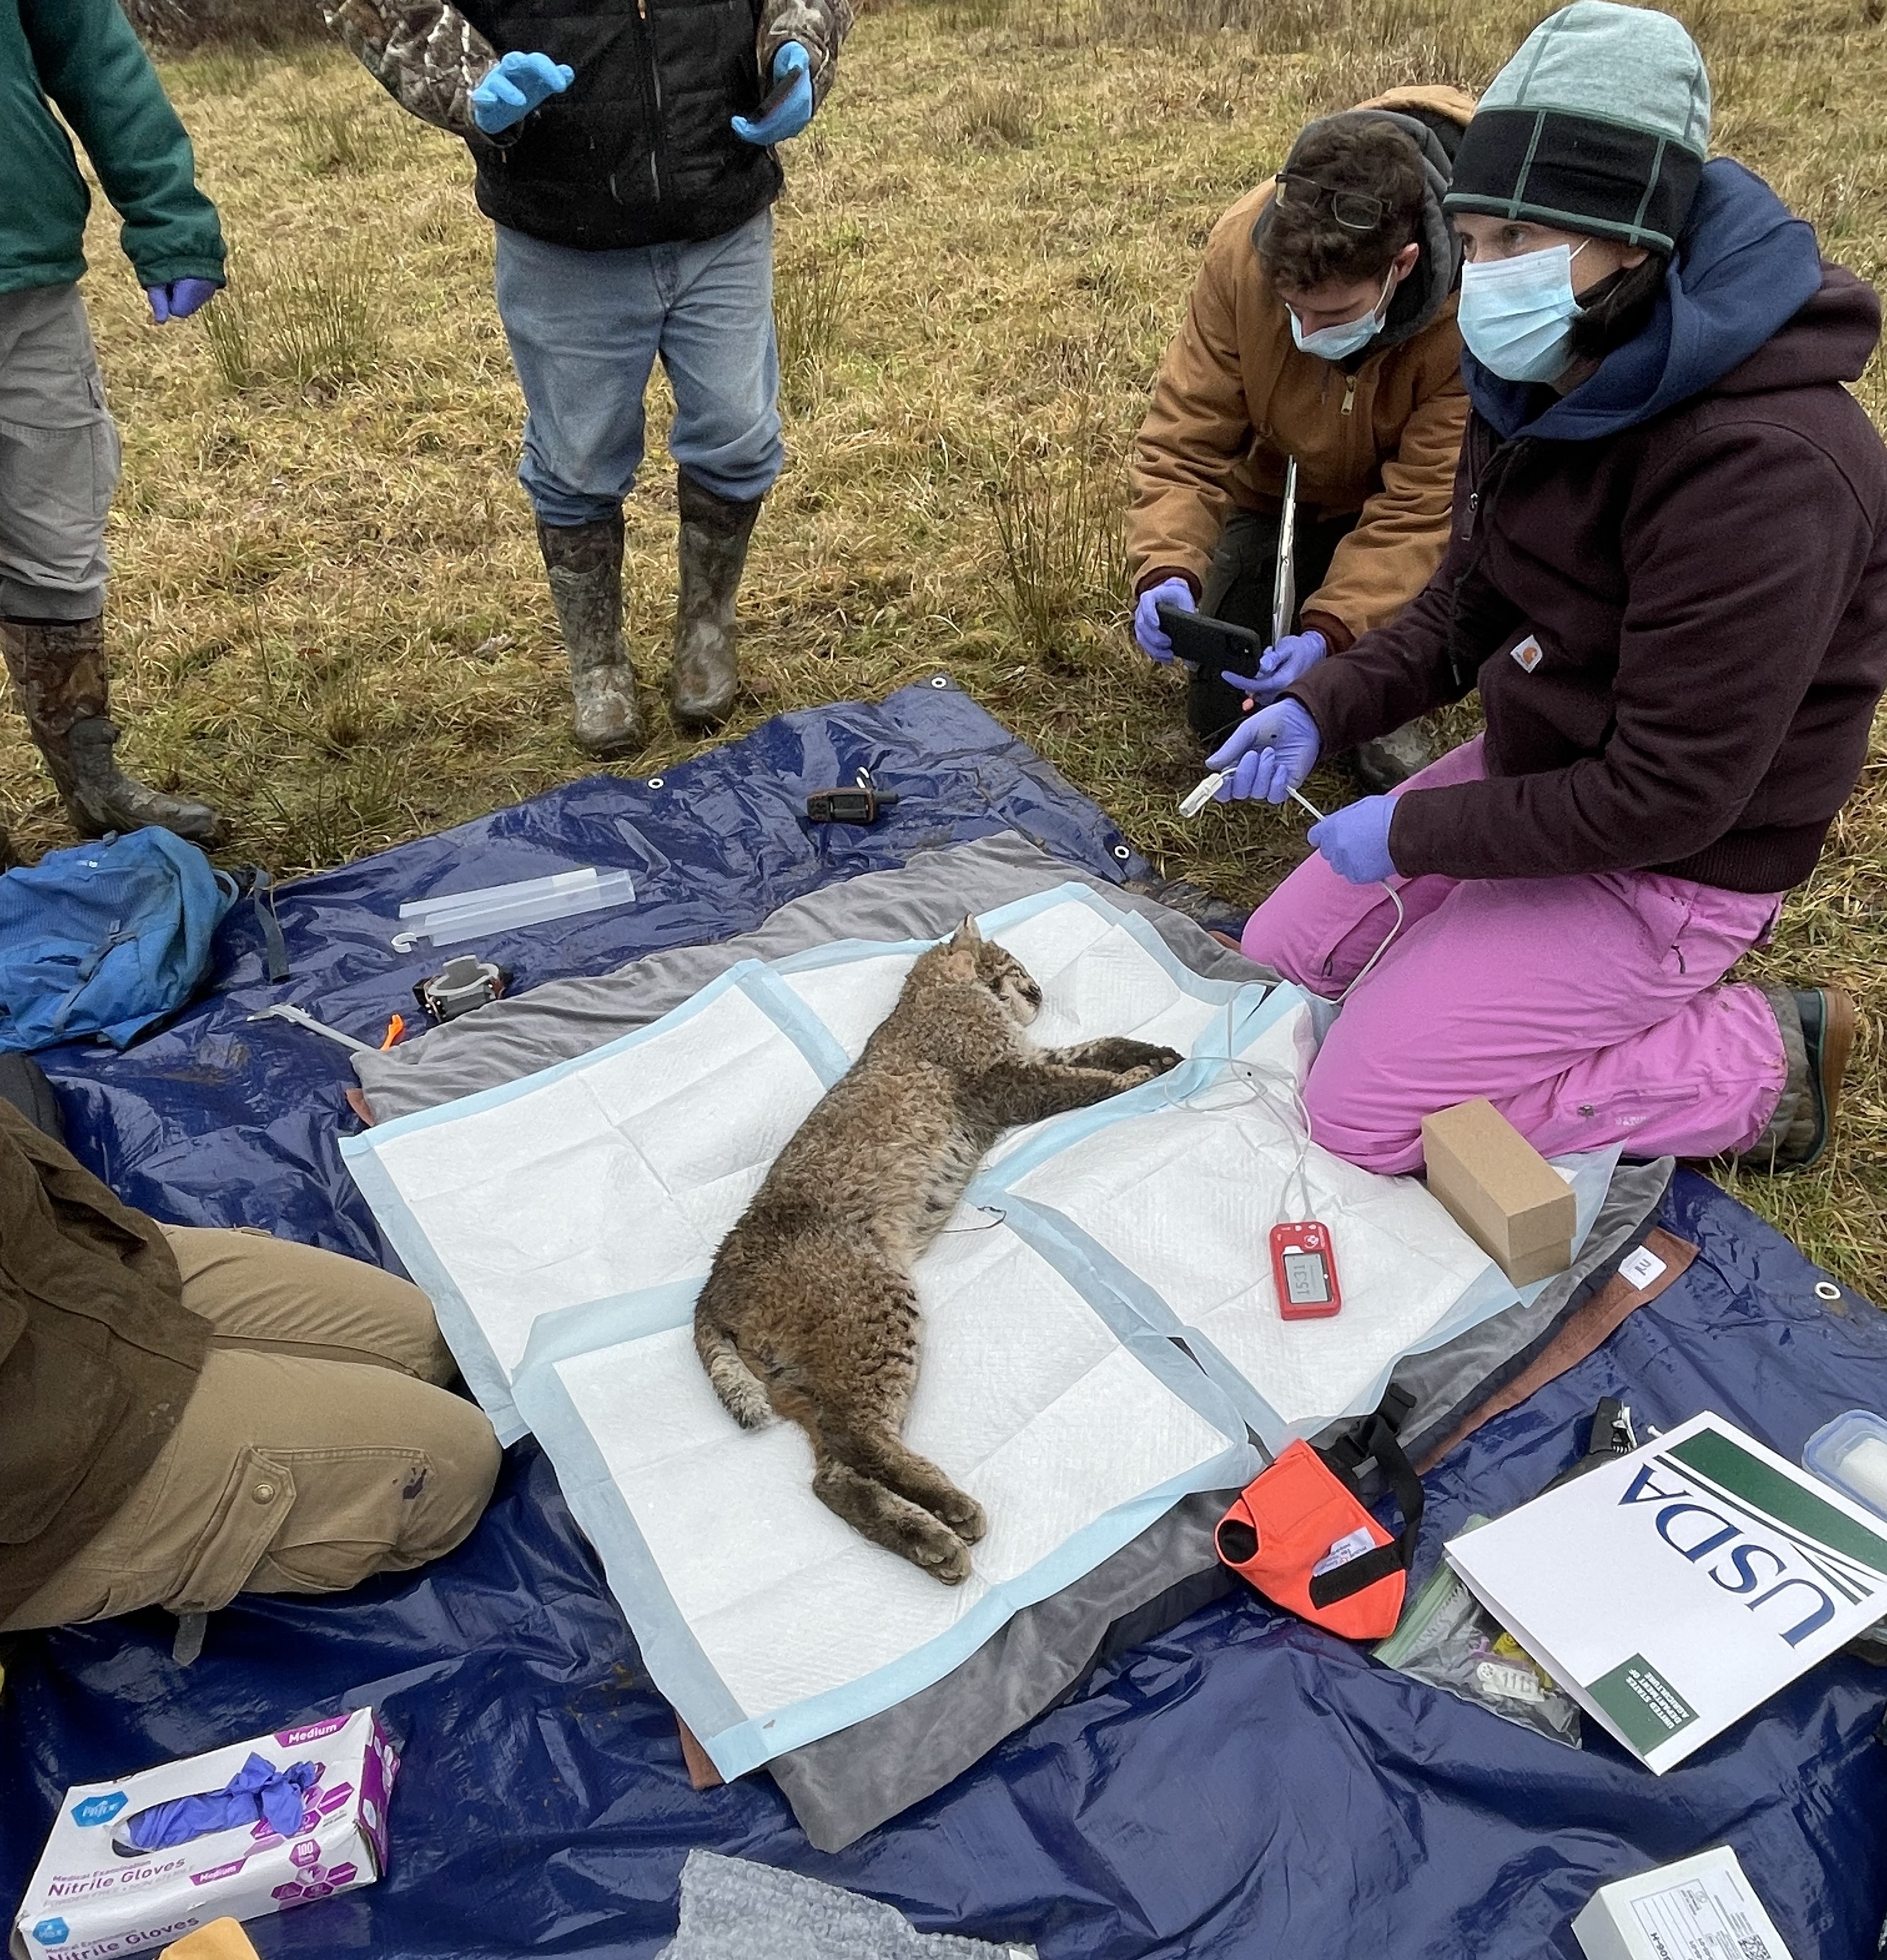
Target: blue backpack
106,939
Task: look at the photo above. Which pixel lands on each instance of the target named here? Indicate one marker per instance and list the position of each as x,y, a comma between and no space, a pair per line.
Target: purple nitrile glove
1355,840
793,114
1153,637
258,1793
517,86
179,299
1269,755
1283,666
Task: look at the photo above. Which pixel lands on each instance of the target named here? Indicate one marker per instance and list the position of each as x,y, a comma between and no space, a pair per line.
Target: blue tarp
1244,1785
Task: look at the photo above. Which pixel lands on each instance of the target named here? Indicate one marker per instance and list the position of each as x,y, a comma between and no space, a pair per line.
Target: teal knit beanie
1601,124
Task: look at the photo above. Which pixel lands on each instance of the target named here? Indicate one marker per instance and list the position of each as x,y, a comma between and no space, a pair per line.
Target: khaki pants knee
316,1450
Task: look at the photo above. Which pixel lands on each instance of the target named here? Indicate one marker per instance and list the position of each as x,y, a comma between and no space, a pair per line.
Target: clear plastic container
1850,1452
447,918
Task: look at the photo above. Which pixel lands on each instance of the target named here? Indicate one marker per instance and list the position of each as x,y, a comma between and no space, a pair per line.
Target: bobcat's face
1010,980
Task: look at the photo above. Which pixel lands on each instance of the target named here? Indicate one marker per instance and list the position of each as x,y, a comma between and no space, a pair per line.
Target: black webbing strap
1376,1438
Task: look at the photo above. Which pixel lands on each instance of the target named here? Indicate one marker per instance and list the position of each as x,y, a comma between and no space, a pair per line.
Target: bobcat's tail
737,1384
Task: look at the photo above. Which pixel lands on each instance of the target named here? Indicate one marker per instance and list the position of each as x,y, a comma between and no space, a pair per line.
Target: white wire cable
1261,1079
1196,798
1395,899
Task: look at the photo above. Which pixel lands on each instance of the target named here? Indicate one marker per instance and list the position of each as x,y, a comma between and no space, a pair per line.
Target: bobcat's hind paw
964,1516
936,1549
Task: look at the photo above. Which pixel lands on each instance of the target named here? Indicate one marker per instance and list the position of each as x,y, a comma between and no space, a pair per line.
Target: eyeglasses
1354,210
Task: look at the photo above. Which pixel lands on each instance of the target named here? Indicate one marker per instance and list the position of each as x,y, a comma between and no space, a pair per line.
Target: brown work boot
583,563
1386,761
59,670
713,551
1818,1025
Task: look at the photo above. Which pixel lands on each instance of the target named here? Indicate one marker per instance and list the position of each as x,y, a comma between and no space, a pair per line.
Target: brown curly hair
1301,246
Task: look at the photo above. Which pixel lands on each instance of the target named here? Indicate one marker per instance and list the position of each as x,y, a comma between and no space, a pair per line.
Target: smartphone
1305,1269
776,96
1216,645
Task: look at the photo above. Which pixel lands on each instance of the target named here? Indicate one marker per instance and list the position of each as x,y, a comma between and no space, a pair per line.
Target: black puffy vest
638,151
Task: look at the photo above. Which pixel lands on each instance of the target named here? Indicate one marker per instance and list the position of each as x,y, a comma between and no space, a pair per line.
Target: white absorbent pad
563,1225
624,1168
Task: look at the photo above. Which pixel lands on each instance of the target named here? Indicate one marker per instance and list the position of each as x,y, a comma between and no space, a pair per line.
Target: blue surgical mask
1517,314
1338,343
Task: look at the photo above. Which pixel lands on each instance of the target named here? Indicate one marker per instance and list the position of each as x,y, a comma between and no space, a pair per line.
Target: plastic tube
523,889
449,917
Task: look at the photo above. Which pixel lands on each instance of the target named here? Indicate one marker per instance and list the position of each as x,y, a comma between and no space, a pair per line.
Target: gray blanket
926,898
732,1909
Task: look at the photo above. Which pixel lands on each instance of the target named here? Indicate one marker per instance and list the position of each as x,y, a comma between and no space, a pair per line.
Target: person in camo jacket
625,153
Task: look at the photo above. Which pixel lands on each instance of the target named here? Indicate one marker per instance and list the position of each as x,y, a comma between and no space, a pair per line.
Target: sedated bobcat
810,1311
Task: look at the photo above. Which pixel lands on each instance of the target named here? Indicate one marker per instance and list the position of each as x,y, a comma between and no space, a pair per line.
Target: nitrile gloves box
237,1833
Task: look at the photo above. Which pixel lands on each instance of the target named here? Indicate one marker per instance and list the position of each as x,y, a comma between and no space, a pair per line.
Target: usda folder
1672,1591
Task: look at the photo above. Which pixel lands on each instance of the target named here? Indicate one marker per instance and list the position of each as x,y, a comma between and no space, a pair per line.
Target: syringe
1196,798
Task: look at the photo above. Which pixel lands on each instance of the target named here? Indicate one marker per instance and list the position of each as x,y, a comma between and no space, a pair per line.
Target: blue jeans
585,328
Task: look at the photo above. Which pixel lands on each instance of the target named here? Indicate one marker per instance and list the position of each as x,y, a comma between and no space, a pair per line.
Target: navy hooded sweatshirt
1669,585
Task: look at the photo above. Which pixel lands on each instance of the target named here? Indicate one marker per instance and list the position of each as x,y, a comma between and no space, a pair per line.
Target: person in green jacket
59,448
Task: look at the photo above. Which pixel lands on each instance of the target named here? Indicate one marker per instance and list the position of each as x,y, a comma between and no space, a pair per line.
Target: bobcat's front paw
1161,1062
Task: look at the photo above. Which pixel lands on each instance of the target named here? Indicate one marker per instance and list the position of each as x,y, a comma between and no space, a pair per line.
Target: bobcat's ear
968,933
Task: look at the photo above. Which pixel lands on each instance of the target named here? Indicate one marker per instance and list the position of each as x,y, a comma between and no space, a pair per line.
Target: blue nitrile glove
1269,754
1355,840
794,113
515,87
179,299
257,1792
1283,666
1153,638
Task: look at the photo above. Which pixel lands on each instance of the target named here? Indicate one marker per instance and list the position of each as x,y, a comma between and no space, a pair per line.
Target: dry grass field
329,614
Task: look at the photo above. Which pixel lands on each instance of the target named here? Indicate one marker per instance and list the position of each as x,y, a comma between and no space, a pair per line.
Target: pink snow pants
1588,1010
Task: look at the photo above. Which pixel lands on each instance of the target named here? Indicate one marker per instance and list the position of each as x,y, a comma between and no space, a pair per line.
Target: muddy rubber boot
1818,1026
713,550
1386,761
583,563
58,668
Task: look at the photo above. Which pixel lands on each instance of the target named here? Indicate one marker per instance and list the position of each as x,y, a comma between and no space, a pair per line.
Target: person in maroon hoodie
1667,575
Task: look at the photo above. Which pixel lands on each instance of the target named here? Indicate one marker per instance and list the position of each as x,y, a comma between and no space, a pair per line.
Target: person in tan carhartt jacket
1322,326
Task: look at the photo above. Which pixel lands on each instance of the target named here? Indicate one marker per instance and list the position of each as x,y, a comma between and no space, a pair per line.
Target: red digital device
1305,1269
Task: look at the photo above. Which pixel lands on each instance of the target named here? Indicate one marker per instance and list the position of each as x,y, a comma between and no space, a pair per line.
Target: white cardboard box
1700,1908
89,1900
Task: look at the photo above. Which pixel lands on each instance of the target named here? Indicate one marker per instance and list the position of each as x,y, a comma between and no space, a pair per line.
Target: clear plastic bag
1448,1639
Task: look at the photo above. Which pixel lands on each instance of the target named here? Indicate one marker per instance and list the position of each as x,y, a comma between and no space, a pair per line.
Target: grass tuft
809,299
314,325
992,115
326,137
1058,518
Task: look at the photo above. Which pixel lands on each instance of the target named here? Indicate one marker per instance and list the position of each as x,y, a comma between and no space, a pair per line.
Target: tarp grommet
1122,853
1827,1289
654,782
